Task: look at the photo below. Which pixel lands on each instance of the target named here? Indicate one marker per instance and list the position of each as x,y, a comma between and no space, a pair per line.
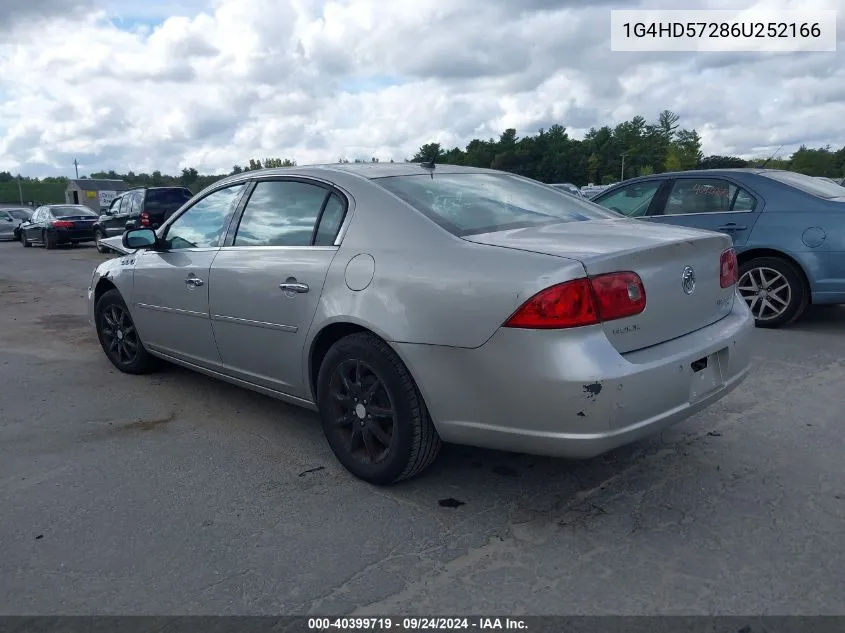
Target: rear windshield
808,184
467,204
19,214
65,211
166,199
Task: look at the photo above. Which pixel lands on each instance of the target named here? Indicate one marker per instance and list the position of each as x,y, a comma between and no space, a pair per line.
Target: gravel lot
174,493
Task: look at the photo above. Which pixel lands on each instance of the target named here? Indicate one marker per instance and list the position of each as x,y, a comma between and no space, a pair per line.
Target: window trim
161,232
758,206
346,200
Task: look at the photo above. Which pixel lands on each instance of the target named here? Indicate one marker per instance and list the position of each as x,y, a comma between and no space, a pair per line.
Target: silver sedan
415,304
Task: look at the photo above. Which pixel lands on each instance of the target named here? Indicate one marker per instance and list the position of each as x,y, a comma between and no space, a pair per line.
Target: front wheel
373,415
118,336
774,290
99,235
26,243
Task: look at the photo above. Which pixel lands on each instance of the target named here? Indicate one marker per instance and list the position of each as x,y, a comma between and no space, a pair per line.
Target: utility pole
76,167
622,177
20,191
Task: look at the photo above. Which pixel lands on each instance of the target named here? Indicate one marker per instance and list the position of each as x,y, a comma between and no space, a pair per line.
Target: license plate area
706,376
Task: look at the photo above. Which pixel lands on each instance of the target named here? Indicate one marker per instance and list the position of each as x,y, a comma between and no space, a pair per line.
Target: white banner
106,198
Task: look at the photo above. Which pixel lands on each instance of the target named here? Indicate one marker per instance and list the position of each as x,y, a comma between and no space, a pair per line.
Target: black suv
145,206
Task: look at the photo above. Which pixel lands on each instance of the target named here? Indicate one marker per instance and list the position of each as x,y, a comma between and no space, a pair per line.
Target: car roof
700,172
369,171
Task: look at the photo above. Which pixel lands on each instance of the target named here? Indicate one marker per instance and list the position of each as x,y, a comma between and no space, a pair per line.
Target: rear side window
707,195
281,213
467,204
165,199
19,214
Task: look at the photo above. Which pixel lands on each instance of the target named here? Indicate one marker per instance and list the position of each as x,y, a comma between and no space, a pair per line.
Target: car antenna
770,158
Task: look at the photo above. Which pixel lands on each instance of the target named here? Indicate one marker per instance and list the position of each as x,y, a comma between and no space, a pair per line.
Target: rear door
170,292
265,286
716,204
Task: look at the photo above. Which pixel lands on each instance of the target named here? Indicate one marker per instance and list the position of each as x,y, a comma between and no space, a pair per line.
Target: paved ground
178,494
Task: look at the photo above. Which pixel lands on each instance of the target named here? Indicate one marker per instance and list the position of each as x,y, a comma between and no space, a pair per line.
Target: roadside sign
106,198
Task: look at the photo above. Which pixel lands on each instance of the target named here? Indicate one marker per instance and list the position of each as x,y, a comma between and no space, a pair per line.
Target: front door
715,204
266,286
171,285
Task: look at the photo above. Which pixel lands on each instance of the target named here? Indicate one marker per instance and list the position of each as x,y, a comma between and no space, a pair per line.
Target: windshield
807,184
58,211
467,204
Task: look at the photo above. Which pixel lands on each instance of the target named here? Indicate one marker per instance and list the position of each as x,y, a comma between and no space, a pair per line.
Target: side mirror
130,224
10,219
139,238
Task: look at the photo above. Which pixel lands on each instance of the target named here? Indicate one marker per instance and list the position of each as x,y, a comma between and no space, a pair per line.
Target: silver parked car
412,304
11,220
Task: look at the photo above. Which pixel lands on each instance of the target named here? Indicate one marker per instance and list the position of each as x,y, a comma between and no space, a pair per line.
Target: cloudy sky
163,84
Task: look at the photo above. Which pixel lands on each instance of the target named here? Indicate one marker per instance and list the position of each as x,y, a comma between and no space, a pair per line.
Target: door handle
289,286
731,227
194,282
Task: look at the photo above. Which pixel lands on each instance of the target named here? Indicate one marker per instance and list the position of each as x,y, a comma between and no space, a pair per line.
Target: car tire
119,338
26,243
48,240
772,282
356,409
99,235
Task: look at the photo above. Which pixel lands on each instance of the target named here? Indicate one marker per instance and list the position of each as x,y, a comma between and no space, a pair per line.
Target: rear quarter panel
812,232
428,286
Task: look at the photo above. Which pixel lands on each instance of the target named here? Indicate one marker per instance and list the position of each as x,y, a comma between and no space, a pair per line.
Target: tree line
605,155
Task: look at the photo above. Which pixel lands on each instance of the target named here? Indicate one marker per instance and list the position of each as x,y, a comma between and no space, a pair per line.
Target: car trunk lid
658,254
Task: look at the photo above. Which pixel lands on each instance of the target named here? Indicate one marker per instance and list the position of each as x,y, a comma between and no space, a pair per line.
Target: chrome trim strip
262,324
192,313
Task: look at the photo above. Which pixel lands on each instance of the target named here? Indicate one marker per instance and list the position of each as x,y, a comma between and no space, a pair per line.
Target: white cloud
211,83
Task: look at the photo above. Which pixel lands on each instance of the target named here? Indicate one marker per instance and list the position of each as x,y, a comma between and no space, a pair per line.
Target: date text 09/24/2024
417,624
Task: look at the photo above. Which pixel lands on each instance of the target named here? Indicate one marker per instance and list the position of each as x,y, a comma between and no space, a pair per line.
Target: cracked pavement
178,494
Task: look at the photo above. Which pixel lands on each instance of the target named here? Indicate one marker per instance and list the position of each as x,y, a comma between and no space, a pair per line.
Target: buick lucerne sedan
415,304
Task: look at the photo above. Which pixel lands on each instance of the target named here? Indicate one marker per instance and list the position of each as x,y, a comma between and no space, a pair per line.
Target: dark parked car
788,230
143,207
55,224
10,221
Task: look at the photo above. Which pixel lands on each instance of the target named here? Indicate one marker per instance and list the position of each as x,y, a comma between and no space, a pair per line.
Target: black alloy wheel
26,243
373,415
364,416
119,337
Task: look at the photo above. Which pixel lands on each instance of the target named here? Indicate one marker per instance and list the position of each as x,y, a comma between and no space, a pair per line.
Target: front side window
466,204
204,224
632,200
281,213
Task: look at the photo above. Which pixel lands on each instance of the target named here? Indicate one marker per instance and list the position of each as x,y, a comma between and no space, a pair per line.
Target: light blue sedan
788,230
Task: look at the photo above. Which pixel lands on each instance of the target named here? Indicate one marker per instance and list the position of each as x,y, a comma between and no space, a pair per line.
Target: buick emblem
688,280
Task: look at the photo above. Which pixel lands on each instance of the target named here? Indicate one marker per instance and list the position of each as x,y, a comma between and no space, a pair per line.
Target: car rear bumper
569,393
68,236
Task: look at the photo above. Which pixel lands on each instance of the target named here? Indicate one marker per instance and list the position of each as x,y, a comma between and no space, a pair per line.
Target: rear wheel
48,240
99,235
25,241
373,415
118,336
774,290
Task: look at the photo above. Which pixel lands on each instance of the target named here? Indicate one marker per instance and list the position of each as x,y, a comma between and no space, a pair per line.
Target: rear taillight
61,224
582,302
145,219
728,269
